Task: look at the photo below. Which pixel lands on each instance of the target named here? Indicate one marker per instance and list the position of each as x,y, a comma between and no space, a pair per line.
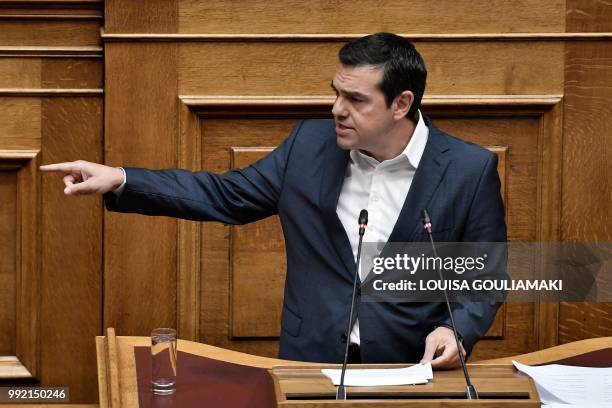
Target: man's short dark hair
403,66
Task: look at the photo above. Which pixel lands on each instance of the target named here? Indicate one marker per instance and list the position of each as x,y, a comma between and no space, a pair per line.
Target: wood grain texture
189,233
588,15
587,183
72,73
50,9
497,328
20,267
365,16
8,267
113,369
343,38
28,251
49,33
307,68
20,73
71,250
131,17
20,123
587,173
141,117
498,386
50,52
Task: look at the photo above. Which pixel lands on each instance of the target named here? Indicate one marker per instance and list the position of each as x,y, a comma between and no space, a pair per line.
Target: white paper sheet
578,386
416,374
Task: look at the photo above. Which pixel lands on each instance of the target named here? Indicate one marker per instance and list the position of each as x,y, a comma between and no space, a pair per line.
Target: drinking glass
163,361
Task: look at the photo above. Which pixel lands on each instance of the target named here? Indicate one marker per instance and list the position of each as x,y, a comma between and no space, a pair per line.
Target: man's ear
401,104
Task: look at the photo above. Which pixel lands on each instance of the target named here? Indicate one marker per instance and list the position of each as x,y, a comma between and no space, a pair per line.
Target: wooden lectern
498,385
302,385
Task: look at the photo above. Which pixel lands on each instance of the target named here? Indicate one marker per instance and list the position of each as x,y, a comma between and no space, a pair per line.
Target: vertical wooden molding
112,368
549,212
27,331
189,232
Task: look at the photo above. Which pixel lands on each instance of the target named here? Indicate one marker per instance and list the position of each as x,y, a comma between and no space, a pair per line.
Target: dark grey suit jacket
301,181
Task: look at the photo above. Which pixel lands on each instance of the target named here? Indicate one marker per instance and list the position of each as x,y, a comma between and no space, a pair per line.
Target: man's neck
398,138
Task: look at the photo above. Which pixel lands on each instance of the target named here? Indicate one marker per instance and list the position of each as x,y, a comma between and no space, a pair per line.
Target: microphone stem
341,392
470,387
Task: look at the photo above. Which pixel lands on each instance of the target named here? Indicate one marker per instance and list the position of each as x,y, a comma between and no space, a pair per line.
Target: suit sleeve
236,197
485,223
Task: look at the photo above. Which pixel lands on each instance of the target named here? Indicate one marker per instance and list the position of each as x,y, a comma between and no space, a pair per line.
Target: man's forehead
363,77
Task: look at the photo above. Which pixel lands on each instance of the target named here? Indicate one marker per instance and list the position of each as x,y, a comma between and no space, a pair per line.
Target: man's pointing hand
82,177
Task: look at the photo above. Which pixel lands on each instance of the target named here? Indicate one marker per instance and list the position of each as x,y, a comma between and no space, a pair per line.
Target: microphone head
425,217
363,217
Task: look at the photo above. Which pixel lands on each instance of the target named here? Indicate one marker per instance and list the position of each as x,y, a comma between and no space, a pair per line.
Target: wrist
119,178
449,327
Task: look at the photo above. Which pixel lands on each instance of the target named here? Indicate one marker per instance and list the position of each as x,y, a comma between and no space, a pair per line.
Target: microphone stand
363,222
470,390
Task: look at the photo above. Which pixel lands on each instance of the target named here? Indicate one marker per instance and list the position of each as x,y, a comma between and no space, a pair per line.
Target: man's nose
338,109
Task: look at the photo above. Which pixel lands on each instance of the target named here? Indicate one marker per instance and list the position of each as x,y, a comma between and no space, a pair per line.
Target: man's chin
344,143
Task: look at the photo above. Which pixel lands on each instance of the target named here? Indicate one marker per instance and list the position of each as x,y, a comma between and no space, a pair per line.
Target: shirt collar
413,150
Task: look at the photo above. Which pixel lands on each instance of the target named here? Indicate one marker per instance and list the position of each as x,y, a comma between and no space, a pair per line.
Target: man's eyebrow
353,94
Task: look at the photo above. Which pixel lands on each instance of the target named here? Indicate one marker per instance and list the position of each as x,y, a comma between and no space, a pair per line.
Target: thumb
85,187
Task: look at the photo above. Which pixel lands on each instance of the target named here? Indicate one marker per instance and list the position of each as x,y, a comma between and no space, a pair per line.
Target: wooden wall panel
19,269
587,181
159,16
31,33
21,125
8,267
72,250
588,16
141,130
72,73
19,73
363,16
51,79
502,68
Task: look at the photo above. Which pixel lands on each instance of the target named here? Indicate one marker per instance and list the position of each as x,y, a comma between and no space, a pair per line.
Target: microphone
470,390
363,222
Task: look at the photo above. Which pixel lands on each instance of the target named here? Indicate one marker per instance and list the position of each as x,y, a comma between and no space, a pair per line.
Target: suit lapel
336,161
426,179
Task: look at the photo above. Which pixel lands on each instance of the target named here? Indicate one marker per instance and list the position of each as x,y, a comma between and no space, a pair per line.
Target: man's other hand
82,177
441,349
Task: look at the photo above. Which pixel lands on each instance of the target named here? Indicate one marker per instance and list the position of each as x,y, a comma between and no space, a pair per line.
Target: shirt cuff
119,189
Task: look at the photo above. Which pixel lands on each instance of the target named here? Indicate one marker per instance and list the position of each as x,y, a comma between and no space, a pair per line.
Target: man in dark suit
378,153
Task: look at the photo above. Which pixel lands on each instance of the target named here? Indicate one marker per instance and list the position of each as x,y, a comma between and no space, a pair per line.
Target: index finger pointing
66,167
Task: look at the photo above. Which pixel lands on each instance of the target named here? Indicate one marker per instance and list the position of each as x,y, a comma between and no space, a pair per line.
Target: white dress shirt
381,188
